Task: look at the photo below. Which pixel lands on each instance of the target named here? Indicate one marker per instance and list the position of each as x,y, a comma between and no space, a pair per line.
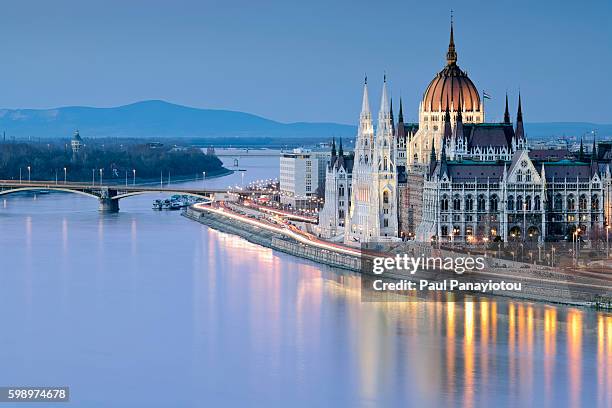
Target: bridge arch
135,193
50,188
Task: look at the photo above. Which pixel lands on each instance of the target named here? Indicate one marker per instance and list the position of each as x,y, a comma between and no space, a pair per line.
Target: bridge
109,195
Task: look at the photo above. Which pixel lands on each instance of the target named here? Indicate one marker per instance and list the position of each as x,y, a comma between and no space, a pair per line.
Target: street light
203,179
100,176
607,241
134,172
93,177
29,174
65,175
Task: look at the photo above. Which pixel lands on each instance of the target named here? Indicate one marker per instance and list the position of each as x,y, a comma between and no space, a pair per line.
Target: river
149,309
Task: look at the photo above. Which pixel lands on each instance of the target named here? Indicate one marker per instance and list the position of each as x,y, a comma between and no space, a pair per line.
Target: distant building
302,176
76,143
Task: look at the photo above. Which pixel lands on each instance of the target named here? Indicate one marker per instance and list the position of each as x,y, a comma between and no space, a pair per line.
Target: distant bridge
109,195
247,153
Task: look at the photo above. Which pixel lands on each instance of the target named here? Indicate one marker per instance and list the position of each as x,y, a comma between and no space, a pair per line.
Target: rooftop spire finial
451,55
507,113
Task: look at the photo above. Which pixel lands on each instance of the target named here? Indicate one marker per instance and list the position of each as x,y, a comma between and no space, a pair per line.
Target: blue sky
305,61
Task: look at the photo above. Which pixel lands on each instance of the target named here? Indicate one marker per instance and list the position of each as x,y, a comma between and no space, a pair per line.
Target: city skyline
221,57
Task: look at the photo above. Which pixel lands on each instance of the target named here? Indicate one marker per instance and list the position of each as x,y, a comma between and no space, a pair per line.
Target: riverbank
539,283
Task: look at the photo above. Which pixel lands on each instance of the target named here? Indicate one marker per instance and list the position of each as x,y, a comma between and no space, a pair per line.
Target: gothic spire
384,100
443,164
432,158
507,112
451,55
400,117
333,152
340,149
581,151
520,131
594,150
448,131
365,104
391,114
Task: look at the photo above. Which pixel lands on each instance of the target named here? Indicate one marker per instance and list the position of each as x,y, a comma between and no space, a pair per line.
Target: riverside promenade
539,283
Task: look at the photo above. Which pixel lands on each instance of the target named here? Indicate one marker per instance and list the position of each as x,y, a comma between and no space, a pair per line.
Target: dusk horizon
138,60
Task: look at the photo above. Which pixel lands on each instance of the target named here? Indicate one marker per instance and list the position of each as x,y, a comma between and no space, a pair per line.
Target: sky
305,60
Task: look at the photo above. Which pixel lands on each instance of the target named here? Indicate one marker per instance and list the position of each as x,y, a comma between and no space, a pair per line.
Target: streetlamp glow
65,175
29,174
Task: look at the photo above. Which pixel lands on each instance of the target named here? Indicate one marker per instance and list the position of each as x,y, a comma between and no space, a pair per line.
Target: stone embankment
539,283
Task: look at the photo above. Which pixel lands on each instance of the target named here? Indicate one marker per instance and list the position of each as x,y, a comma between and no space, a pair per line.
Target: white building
373,210
302,176
338,185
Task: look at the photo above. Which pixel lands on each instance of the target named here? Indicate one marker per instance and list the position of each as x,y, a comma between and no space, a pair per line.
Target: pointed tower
460,145
443,161
594,164
360,225
448,129
391,114
432,159
451,54
507,112
581,151
519,133
401,142
333,149
385,173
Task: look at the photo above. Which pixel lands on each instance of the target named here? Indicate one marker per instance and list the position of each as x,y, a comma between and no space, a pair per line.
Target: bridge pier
107,204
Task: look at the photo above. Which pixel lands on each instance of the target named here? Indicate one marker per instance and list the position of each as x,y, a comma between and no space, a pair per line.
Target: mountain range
156,119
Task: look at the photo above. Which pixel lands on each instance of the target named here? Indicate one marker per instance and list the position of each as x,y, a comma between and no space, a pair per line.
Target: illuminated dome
452,86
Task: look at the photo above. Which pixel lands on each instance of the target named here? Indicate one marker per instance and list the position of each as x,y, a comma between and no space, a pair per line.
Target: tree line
48,160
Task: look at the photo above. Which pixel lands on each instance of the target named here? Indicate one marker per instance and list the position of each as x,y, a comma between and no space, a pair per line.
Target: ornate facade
453,177
372,214
338,185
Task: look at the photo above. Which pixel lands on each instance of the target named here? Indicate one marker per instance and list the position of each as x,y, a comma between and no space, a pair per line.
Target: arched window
469,203
582,203
519,203
519,176
528,175
536,203
558,202
444,205
341,190
385,197
456,203
493,203
528,203
571,202
595,202
481,203
510,204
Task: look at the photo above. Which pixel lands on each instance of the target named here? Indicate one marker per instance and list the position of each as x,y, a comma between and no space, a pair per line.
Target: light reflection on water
145,301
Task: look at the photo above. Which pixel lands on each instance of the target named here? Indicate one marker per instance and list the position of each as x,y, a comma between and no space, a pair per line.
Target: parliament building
453,177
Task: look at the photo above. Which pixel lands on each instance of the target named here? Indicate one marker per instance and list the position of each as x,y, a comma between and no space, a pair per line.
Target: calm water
148,309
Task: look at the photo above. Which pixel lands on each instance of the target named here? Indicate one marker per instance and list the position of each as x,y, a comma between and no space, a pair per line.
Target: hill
156,119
